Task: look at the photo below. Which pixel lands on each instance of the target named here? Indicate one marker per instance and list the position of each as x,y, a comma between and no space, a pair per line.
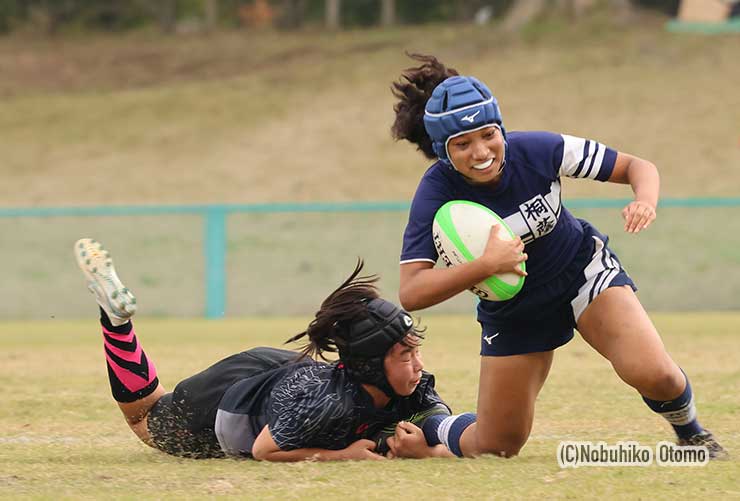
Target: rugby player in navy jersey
279,405
573,279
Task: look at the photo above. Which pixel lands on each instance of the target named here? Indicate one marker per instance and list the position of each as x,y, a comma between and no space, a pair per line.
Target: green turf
62,437
259,117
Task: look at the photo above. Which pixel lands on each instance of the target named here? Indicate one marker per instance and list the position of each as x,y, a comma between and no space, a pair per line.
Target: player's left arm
644,179
266,449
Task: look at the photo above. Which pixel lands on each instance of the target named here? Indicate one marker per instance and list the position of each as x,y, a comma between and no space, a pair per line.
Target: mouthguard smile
484,165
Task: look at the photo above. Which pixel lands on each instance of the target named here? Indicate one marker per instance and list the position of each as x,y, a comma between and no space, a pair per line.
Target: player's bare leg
136,413
617,326
507,392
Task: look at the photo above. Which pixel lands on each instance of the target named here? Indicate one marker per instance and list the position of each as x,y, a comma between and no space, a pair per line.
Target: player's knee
663,379
668,380
502,450
505,445
141,430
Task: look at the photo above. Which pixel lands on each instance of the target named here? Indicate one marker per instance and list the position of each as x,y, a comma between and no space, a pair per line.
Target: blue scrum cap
458,105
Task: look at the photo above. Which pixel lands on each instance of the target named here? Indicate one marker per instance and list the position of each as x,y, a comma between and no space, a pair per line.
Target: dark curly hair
413,90
327,332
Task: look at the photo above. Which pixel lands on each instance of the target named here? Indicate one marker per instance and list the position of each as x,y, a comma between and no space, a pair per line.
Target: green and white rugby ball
461,229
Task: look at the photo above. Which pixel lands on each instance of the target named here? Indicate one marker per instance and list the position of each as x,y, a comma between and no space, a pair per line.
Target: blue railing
215,234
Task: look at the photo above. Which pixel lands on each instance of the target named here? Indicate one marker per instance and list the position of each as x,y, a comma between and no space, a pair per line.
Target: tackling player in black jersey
279,405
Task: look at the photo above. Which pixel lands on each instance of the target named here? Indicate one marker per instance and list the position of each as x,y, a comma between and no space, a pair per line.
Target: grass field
61,435
244,117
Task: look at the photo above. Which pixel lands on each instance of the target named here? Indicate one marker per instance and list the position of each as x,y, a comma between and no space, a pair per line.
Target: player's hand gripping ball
461,230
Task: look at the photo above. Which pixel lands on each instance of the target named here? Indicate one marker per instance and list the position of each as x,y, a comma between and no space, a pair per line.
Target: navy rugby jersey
527,197
312,404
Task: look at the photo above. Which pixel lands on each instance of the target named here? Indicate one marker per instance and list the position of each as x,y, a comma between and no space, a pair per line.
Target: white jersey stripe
591,293
553,197
592,158
607,280
419,260
599,274
611,269
572,154
581,157
602,274
599,160
593,268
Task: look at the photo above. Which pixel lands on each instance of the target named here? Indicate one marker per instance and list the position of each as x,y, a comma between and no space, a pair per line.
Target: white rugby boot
97,266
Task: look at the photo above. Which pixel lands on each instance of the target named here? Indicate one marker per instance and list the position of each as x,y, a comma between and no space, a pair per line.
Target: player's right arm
422,285
266,449
409,442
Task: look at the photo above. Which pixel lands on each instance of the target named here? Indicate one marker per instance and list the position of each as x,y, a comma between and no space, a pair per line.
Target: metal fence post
214,246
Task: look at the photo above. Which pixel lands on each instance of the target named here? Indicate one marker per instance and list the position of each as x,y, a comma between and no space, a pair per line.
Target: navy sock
447,430
679,412
430,426
456,430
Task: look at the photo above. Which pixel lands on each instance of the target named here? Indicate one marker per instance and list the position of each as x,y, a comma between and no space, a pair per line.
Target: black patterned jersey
319,406
314,405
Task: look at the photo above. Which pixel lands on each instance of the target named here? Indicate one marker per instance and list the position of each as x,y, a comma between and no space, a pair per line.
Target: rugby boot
706,439
102,280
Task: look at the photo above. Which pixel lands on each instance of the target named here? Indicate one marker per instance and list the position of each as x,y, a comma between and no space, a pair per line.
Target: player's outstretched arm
644,179
265,449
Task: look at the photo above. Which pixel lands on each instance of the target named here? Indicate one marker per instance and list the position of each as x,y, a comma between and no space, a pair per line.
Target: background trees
51,16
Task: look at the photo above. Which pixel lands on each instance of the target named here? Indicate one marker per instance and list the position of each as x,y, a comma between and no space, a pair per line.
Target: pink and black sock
132,376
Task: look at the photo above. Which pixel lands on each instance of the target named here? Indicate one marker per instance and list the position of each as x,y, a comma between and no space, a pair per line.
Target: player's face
478,155
403,367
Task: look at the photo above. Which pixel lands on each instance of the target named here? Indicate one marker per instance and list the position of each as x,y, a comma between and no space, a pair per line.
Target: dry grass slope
247,117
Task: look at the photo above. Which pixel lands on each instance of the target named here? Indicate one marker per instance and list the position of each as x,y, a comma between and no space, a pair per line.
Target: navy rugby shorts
545,317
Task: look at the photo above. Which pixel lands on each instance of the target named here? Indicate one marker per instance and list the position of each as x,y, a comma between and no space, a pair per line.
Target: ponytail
327,332
413,91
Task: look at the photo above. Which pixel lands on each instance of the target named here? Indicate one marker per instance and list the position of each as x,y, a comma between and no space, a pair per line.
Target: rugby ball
460,230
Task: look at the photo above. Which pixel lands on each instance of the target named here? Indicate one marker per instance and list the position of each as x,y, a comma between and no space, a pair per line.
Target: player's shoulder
534,142
538,150
304,380
319,381
438,176
439,183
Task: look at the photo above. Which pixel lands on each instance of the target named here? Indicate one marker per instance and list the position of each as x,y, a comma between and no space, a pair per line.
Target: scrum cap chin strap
370,338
